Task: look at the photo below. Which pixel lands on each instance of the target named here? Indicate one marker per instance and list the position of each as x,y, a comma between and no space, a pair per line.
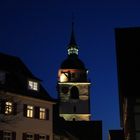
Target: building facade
127,48
73,86
26,109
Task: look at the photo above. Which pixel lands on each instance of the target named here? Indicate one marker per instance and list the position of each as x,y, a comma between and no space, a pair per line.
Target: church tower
73,86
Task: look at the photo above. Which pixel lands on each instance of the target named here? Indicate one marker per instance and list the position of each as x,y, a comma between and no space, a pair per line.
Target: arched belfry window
74,93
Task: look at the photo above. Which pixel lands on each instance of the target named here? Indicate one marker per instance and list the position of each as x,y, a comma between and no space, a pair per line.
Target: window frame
6,137
30,111
33,85
42,114
8,108
29,134
42,135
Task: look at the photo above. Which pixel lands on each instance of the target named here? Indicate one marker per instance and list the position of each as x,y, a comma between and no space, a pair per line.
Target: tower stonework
73,86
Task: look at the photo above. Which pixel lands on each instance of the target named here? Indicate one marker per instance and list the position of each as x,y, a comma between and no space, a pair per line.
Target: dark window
73,119
42,137
7,135
13,135
74,93
1,134
28,136
24,136
36,136
47,137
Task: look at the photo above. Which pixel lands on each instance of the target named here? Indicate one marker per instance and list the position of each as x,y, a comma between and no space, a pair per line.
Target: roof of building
72,62
82,130
17,76
116,134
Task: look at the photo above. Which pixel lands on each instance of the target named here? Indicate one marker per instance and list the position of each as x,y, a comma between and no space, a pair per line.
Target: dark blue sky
39,31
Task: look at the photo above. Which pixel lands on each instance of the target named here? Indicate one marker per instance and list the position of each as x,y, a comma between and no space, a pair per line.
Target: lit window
64,77
42,137
72,51
29,136
8,107
29,111
42,113
33,85
7,135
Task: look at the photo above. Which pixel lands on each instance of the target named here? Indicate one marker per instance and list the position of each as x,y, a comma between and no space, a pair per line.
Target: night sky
39,31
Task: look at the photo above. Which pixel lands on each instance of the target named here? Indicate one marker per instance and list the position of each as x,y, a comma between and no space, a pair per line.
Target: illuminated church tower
73,86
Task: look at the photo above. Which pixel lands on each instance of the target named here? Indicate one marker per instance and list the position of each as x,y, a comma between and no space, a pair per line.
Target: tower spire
72,47
72,39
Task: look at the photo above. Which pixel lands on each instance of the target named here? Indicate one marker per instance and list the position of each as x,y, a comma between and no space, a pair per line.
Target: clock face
65,89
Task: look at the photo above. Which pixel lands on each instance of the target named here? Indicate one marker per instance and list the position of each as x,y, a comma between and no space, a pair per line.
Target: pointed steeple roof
72,61
72,47
72,39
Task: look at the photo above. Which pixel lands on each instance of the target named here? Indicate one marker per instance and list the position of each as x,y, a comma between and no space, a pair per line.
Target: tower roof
72,47
72,62
72,39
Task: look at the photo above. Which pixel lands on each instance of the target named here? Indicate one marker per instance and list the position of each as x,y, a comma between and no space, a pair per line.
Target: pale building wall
23,124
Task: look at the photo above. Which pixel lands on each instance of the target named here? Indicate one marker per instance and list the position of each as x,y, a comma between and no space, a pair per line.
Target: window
2,77
35,112
33,85
29,111
42,113
47,137
8,107
42,137
7,135
74,93
73,75
29,136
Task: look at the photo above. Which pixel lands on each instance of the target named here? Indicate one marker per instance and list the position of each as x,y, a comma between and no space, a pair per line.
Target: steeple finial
72,47
72,39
